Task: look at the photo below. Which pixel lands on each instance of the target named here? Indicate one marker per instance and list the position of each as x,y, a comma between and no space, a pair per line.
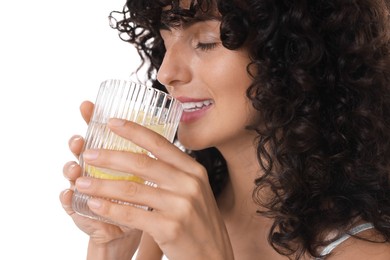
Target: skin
106,241
184,200
187,221
186,74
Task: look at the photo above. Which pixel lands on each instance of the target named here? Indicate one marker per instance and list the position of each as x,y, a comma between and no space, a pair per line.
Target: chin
191,143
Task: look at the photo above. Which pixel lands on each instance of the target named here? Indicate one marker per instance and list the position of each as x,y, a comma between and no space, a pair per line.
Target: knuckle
174,231
158,141
127,215
130,188
200,172
194,188
185,206
109,209
141,161
105,208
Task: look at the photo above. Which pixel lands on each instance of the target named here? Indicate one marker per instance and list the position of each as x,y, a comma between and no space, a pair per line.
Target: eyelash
206,46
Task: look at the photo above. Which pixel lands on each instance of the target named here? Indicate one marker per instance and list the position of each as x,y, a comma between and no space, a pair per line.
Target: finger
71,171
86,224
128,216
86,109
141,165
155,143
173,185
66,201
127,191
76,144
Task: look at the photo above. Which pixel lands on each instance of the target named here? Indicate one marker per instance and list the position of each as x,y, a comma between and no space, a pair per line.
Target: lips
194,109
194,106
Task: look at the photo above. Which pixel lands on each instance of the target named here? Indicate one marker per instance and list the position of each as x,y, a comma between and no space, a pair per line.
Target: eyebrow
190,22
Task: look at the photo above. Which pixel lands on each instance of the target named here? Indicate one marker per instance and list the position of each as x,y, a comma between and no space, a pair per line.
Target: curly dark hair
322,88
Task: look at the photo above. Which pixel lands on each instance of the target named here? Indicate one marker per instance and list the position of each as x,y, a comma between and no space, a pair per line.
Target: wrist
119,249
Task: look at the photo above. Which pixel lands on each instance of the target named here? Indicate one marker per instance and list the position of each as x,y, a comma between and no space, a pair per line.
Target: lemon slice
108,174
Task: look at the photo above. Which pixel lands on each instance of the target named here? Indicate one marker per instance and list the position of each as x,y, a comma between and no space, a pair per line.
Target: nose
175,68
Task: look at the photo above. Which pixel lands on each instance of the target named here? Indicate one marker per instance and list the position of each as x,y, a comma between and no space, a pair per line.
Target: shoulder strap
352,232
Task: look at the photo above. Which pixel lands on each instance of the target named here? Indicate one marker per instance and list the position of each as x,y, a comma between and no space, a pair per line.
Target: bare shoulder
359,249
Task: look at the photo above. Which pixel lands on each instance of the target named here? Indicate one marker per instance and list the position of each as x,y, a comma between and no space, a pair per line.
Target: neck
248,230
243,168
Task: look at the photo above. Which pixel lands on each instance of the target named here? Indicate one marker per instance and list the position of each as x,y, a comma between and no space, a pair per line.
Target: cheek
233,84
169,88
241,114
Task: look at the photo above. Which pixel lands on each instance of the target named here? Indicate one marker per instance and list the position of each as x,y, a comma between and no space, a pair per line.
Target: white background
53,55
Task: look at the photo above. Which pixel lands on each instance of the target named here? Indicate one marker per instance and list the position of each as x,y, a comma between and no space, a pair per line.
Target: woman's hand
185,220
106,241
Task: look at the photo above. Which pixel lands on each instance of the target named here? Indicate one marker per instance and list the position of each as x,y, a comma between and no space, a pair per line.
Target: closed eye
206,46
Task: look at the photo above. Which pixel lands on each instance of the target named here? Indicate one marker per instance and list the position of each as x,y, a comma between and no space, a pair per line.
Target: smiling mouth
195,106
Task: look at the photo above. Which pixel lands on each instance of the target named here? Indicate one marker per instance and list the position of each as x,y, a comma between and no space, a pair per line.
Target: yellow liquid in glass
108,174
115,142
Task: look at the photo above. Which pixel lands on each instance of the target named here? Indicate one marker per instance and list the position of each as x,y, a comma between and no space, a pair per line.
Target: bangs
178,13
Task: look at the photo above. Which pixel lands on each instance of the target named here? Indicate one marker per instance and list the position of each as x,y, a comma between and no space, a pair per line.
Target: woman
287,113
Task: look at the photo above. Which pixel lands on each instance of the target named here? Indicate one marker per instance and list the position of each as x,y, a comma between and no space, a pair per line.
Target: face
211,82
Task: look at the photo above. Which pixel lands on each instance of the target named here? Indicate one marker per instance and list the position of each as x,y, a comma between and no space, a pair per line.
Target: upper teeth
190,106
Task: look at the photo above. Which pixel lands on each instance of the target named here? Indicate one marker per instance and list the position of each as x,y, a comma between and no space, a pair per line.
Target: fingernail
83,183
75,138
94,203
64,193
116,122
68,168
90,154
